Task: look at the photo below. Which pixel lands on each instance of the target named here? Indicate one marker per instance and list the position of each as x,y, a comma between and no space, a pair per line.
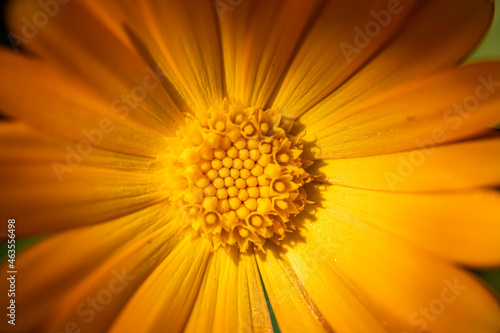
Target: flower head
236,175
192,164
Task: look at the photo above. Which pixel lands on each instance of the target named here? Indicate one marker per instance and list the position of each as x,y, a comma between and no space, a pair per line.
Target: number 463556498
11,253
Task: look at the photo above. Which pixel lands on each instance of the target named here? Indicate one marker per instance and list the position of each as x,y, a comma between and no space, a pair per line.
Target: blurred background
488,49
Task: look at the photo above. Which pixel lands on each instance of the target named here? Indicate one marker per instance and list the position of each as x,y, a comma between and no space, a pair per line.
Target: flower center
236,176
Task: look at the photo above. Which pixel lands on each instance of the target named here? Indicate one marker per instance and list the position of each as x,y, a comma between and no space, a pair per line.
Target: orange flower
183,158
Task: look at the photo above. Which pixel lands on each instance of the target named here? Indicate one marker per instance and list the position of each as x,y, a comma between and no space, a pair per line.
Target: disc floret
236,175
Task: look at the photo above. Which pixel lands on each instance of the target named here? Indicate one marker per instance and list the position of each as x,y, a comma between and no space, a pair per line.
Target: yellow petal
21,144
396,279
329,55
294,309
231,298
455,166
258,40
183,39
61,105
458,226
42,173
334,296
442,108
88,51
76,266
166,298
437,35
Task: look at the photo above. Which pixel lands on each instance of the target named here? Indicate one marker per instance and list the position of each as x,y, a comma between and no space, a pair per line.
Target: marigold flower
192,164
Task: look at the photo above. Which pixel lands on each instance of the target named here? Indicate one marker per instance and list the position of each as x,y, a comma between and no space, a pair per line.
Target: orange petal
404,286
33,194
231,298
21,144
60,105
459,226
258,40
166,298
76,266
334,296
329,54
294,309
437,35
118,17
449,167
182,38
49,185
445,107
89,51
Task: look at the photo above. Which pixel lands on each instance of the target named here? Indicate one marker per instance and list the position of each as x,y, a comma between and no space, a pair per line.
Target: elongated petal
61,105
118,17
459,226
329,55
183,40
21,144
445,107
456,166
336,298
258,40
405,287
76,266
66,189
231,298
293,307
166,298
437,35
78,41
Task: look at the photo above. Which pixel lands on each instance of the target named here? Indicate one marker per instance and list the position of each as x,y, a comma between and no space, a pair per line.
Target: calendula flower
192,164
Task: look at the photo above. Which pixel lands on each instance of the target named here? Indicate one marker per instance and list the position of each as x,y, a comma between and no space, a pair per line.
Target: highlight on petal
294,309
